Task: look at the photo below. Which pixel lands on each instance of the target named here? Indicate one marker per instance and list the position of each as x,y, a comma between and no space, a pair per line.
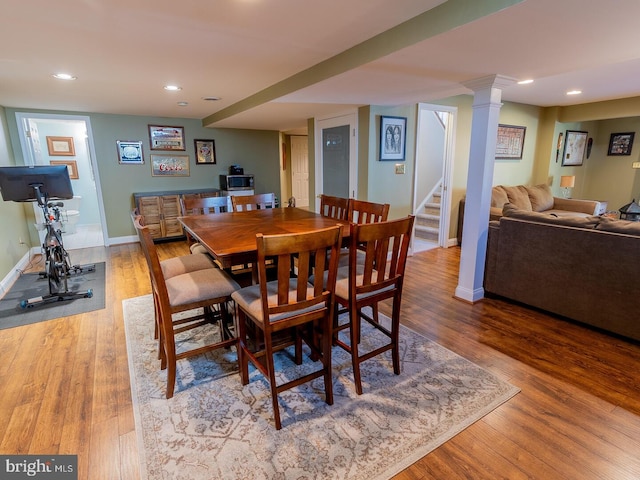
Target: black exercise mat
33,285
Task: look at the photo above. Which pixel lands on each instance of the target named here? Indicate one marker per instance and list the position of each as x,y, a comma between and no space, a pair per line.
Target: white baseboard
8,281
123,240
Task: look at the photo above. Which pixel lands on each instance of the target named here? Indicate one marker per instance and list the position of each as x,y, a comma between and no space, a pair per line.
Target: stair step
437,198
432,208
428,220
426,233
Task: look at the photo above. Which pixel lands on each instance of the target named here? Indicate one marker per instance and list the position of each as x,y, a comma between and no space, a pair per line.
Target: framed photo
575,145
130,152
72,167
61,146
205,152
621,143
170,165
393,137
510,142
166,138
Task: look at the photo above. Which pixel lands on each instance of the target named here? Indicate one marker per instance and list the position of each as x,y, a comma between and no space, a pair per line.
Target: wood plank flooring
65,382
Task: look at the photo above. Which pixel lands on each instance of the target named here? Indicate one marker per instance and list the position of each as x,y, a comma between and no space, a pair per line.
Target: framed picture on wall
61,146
575,145
72,167
621,143
130,152
393,138
166,138
510,142
205,152
170,165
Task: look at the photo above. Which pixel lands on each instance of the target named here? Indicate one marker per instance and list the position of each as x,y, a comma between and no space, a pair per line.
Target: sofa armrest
590,207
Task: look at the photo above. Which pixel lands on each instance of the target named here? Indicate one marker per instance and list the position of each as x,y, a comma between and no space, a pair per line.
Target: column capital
490,81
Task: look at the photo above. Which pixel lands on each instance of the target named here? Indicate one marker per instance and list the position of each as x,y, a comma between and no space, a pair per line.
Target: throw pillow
540,197
619,226
498,196
519,197
578,222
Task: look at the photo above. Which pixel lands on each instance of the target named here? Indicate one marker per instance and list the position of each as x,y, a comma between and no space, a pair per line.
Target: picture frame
61,146
162,137
575,145
621,143
393,138
510,143
170,166
72,167
205,152
130,152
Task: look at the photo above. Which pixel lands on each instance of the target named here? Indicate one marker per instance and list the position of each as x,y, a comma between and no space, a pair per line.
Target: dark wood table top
231,237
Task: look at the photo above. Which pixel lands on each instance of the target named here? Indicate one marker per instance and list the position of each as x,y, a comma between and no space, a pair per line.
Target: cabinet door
170,212
151,210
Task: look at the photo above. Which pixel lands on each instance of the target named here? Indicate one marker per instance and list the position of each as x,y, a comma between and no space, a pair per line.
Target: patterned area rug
214,428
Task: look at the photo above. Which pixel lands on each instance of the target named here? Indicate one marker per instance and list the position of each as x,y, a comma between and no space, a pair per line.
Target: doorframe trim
21,117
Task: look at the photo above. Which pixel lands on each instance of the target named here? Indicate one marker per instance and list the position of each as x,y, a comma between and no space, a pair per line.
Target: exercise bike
58,266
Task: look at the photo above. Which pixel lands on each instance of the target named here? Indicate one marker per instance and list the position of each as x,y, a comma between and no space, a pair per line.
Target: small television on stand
40,183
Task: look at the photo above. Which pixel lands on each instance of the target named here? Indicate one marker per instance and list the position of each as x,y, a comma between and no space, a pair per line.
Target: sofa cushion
580,222
540,197
519,197
498,197
619,226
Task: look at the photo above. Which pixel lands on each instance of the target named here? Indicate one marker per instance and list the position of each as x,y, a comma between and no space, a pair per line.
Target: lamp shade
567,181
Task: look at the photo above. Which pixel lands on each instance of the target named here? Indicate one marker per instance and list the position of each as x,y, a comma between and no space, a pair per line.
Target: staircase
428,220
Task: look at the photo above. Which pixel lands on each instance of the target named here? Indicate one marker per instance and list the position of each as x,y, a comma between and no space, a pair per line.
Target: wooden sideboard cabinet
160,211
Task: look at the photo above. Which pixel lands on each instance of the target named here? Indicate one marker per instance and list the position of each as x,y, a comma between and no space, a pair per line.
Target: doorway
83,216
300,170
435,139
336,157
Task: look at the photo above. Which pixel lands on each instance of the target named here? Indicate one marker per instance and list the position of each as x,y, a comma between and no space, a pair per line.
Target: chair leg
354,318
395,334
243,360
269,364
327,341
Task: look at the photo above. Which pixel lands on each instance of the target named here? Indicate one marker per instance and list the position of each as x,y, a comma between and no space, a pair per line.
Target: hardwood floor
65,382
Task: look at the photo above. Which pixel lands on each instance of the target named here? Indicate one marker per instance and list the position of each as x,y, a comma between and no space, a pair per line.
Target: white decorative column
484,133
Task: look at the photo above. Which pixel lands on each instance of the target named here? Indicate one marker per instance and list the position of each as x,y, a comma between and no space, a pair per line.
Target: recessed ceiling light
525,82
183,104
172,88
63,76
211,99
574,92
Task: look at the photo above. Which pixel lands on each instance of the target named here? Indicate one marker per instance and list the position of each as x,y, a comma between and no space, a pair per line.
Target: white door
300,170
336,157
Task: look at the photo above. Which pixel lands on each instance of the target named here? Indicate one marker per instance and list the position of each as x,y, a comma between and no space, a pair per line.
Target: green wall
258,151
12,214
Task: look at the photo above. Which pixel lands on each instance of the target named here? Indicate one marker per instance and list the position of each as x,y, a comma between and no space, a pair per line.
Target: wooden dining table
230,237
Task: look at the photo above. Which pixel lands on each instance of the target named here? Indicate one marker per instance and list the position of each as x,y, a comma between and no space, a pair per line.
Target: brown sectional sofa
582,268
536,198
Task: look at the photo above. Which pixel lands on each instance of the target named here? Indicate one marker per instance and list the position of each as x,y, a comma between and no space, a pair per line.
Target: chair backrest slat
361,212
192,205
259,201
334,207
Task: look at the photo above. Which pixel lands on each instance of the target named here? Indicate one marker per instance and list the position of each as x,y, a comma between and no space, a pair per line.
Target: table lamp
567,182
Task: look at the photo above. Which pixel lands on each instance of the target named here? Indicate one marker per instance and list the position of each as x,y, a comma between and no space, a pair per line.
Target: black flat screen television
18,183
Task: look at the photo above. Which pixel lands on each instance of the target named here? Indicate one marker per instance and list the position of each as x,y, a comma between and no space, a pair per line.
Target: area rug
30,286
215,428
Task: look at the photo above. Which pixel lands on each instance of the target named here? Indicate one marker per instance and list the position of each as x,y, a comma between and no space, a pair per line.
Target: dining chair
379,277
258,201
290,303
361,211
170,268
334,207
207,291
195,205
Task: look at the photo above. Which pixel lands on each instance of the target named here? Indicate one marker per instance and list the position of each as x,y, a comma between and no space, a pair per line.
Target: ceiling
124,52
